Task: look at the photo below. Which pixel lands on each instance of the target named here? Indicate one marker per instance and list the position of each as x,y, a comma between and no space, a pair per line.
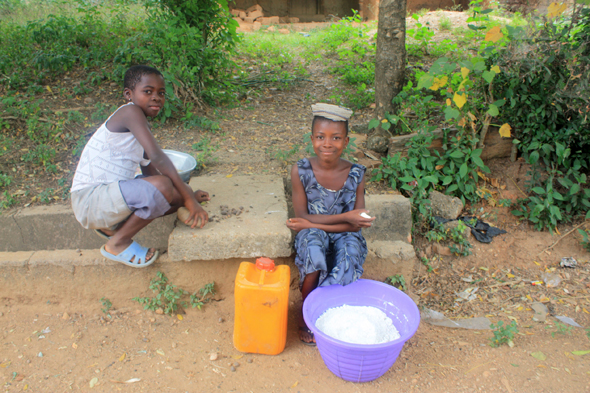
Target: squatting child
328,199
106,195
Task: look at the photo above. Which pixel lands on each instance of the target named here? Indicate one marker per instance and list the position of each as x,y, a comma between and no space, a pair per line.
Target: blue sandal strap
135,251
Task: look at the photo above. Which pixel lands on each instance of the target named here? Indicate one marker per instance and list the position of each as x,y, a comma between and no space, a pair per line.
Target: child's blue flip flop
134,250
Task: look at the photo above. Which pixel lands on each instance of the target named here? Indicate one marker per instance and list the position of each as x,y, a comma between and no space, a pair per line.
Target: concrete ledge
259,230
55,228
18,259
396,251
394,218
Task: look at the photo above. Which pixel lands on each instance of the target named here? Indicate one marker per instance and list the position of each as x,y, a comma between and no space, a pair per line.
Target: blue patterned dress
338,256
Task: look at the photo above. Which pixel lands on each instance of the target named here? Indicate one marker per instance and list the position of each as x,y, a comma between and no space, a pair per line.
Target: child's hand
202,196
355,218
198,215
298,224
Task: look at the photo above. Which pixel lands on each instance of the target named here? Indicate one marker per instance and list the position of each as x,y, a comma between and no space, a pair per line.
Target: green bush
544,80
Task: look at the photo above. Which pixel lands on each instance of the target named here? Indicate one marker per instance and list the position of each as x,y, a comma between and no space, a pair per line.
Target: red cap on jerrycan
265,264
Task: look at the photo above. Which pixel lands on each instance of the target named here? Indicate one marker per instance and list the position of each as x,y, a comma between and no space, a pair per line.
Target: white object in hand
365,215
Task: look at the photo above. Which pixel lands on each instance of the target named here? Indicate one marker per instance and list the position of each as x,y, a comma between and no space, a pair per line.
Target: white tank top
108,157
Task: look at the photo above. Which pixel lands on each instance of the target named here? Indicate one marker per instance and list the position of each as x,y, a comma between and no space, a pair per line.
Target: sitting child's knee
164,185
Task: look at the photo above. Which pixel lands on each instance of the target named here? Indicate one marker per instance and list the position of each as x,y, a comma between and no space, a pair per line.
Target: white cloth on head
332,112
108,157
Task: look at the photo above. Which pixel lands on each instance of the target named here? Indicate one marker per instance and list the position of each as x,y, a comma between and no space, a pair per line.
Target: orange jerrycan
262,301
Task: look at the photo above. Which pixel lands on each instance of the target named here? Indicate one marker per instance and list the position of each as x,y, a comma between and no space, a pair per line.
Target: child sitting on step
107,197
328,199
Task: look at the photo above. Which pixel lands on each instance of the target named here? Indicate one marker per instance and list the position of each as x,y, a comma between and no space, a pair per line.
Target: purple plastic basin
357,362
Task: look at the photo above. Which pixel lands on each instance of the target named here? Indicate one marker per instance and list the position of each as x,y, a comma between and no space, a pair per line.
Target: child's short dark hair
133,75
321,118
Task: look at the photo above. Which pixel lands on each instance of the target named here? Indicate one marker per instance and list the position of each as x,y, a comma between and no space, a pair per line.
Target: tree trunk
390,63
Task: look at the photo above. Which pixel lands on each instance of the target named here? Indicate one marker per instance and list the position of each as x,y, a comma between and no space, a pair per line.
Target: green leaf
447,180
493,111
374,123
452,188
425,81
580,353
499,103
457,154
451,113
557,196
575,188
463,170
539,190
488,76
477,161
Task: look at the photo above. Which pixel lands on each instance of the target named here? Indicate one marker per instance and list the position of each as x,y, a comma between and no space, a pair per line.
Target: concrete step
258,230
55,228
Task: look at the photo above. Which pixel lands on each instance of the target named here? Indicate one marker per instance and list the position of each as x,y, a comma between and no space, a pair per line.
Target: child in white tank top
108,198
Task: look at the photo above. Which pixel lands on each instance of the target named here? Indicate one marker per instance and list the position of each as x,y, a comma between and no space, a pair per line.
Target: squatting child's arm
345,222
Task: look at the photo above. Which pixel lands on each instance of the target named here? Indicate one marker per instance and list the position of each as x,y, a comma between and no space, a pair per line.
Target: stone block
445,206
238,13
255,14
271,20
293,20
393,218
259,230
270,29
255,7
388,258
394,251
284,31
256,26
55,228
248,20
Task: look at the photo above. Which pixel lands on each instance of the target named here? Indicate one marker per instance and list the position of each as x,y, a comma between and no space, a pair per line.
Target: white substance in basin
357,325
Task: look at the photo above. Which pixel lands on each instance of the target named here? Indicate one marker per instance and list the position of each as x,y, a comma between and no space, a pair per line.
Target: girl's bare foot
305,334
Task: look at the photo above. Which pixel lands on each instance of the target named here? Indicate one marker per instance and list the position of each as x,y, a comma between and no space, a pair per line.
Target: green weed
8,200
286,155
461,245
585,238
562,329
107,305
5,180
46,196
503,334
168,297
41,155
426,263
205,152
202,296
398,281
445,23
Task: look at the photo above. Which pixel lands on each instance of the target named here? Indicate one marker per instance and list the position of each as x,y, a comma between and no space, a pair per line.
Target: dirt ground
55,338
